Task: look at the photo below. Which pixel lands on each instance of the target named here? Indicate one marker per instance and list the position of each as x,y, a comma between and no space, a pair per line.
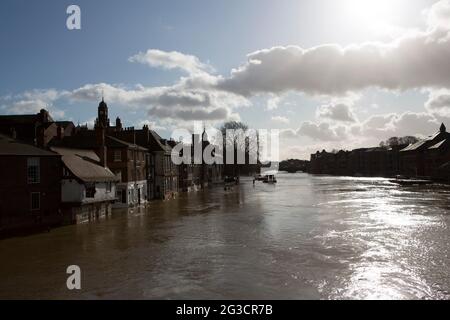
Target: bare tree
239,138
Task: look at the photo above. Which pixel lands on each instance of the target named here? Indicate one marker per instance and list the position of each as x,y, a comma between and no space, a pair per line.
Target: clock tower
102,118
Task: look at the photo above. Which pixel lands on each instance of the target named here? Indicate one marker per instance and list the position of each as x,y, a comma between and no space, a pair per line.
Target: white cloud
153,125
32,101
177,101
438,16
338,112
317,131
439,102
381,127
415,60
171,60
273,102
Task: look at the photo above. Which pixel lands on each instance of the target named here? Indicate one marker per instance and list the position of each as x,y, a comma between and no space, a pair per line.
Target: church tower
443,129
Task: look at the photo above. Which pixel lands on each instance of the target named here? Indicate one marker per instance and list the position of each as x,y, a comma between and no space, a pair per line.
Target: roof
425,143
13,147
21,119
87,140
160,142
114,142
18,119
415,146
79,152
438,145
83,166
374,149
145,138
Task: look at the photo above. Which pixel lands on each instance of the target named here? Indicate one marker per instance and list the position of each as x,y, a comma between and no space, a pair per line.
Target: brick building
30,188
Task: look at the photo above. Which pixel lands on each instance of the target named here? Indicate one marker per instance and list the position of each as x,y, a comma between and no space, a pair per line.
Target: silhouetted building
37,129
426,158
30,186
422,159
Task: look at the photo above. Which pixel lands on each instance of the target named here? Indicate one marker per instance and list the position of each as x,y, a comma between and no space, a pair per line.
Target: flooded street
308,237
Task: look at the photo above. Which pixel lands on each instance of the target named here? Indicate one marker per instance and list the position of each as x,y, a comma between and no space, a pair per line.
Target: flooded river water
308,237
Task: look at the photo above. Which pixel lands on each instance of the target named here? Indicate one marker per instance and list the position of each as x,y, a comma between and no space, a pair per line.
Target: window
35,201
117,155
108,186
33,170
90,190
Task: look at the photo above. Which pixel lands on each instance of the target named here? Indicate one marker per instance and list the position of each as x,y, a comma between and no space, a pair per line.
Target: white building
88,189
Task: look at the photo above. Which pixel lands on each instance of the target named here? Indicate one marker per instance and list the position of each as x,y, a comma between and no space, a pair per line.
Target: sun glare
372,12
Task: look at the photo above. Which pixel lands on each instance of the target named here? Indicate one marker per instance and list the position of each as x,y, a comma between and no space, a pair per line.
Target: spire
204,134
443,128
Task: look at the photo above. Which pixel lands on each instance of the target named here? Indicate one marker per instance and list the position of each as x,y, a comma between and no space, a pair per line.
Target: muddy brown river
308,237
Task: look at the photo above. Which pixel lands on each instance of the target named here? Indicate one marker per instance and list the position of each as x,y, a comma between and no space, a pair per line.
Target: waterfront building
126,160
323,163
162,172
423,158
88,189
161,175
30,188
426,158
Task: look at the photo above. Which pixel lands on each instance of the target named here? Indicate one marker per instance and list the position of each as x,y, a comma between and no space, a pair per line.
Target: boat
270,178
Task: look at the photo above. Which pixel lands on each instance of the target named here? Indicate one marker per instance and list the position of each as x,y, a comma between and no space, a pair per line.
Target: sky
329,74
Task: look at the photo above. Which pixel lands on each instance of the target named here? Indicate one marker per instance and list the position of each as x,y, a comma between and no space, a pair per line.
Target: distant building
88,188
30,186
429,157
323,163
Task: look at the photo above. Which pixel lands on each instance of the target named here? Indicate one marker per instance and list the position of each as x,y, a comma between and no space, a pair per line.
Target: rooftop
84,165
12,147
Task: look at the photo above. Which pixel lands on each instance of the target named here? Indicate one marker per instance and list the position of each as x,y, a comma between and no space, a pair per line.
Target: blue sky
40,53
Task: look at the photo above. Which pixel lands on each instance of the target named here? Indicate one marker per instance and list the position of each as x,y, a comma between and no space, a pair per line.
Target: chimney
43,116
59,133
40,136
